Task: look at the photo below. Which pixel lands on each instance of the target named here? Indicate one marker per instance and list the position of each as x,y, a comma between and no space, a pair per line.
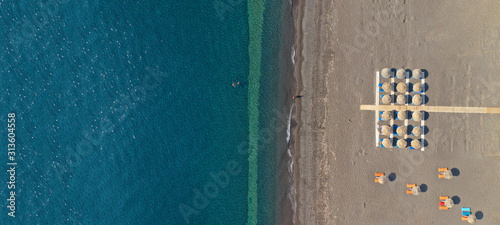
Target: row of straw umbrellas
401,87
402,143
401,99
401,130
401,73
416,115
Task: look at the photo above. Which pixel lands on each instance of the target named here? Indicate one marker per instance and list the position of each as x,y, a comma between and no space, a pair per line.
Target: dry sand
343,44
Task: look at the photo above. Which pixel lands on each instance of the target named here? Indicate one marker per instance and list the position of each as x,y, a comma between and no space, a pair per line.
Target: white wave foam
292,192
288,125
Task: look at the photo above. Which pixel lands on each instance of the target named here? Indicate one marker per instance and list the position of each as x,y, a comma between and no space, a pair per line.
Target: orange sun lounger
441,170
441,202
408,188
377,175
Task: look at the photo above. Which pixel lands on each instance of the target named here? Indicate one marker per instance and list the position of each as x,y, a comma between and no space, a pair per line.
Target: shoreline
297,17
313,159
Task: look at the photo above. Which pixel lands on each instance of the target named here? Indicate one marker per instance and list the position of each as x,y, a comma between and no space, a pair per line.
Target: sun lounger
443,197
377,175
443,208
465,211
465,218
442,169
409,187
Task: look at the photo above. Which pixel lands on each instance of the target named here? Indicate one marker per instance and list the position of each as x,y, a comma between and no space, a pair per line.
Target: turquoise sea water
126,111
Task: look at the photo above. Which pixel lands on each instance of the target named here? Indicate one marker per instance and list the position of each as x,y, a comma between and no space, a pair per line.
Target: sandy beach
342,45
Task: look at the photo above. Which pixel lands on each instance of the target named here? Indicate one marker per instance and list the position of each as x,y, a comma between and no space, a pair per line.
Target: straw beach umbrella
401,130
386,130
386,73
417,100
417,131
382,179
402,115
448,203
415,190
417,116
401,74
401,88
401,99
401,143
417,73
386,86
416,144
471,219
447,174
387,143
417,87
386,99
387,115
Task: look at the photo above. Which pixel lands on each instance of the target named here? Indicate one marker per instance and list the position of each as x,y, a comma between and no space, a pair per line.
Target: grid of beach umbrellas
401,135
400,86
406,86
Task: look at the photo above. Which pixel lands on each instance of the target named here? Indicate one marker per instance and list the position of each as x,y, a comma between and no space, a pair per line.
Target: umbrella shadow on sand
423,188
425,73
455,172
425,130
392,177
479,215
425,87
456,200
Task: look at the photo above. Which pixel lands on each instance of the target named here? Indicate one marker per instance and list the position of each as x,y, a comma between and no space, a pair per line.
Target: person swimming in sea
236,84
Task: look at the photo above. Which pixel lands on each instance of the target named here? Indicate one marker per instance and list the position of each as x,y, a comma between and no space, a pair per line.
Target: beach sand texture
343,44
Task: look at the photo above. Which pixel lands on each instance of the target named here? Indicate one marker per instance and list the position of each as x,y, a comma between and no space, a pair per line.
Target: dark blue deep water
126,111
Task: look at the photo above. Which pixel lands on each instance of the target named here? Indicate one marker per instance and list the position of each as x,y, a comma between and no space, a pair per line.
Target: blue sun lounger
465,211
412,148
